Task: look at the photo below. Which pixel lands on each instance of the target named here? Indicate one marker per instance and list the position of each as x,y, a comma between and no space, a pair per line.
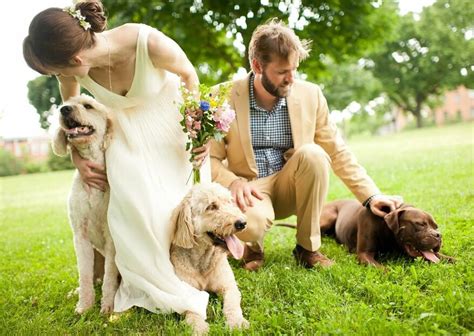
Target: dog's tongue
428,255
235,246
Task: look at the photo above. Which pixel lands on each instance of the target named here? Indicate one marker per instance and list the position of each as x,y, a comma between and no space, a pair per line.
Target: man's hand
201,153
92,174
381,203
243,194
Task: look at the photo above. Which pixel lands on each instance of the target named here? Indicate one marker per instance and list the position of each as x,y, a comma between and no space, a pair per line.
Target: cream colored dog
85,125
205,224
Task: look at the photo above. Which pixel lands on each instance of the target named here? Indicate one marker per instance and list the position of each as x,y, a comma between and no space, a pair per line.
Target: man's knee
314,156
257,225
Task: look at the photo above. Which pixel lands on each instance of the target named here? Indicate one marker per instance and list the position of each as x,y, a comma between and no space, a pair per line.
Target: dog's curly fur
205,223
86,126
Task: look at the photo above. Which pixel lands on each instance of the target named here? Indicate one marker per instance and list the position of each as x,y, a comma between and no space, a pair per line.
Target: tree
349,82
214,33
428,56
43,92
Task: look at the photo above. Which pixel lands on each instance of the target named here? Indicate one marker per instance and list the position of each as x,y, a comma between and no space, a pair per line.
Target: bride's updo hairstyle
56,35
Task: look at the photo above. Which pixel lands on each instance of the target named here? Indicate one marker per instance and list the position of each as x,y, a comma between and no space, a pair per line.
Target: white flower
78,15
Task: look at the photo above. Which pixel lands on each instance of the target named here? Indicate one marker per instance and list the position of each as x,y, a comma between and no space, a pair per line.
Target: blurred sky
17,117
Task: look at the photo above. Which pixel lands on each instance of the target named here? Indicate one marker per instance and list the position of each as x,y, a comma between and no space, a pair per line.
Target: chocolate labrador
407,229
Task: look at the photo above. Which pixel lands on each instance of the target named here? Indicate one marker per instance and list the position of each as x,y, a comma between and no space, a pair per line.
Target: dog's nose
66,110
240,225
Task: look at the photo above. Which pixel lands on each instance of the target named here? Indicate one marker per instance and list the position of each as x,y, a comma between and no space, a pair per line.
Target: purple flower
204,105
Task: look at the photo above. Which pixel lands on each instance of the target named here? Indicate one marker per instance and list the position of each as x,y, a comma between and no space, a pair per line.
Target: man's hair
274,38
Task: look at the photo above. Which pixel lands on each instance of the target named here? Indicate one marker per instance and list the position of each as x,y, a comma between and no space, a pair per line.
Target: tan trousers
300,189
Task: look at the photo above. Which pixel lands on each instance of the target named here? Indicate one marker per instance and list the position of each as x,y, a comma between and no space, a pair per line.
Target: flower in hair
76,13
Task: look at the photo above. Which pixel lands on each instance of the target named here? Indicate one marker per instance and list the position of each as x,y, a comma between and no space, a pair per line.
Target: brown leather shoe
310,259
253,260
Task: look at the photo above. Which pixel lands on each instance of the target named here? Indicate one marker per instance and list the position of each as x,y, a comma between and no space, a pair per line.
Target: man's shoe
310,259
253,260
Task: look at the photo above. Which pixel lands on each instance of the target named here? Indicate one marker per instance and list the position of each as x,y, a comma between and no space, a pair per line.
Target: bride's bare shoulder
126,33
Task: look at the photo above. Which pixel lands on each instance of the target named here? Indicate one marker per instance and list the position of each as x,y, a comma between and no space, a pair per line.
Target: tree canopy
43,92
214,33
428,55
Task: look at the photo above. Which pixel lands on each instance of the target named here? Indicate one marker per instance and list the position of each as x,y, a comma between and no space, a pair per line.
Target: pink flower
189,122
194,113
192,134
197,125
224,116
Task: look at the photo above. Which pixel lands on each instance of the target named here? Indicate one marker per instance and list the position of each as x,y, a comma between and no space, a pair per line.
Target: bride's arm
68,87
167,54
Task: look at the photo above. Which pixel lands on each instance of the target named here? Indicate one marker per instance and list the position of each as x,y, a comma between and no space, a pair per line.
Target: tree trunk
419,121
417,112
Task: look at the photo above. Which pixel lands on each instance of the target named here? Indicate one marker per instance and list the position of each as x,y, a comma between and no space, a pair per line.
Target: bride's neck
101,54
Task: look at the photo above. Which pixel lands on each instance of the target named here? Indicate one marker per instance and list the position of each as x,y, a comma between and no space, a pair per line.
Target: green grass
432,168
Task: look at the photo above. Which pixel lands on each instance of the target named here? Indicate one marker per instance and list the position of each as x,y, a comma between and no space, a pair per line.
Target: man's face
278,75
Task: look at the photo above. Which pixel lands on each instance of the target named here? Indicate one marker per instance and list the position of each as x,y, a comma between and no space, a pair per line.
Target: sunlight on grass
432,168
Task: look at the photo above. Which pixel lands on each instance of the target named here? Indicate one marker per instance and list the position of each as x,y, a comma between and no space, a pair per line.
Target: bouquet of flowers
206,117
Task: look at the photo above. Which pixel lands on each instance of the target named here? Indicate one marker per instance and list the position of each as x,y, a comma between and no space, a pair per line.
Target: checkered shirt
271,134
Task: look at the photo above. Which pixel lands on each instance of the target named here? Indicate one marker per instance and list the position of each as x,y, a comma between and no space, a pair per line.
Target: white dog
205,223
85,125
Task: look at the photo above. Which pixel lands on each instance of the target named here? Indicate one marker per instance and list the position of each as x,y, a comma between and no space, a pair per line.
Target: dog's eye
88,106
420,226
212,206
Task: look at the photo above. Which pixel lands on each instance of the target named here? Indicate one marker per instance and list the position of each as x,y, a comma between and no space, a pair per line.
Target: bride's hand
93,174
201,153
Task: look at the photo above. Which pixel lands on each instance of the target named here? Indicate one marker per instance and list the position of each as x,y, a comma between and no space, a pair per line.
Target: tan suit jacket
309,117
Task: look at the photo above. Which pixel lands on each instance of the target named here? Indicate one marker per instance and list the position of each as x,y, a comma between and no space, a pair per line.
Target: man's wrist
238,179
370,199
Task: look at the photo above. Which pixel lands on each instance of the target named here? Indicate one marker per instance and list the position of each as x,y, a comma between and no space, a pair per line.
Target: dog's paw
446,258
238,323
82,308
84,304
199,325
107,304
106,308
200,328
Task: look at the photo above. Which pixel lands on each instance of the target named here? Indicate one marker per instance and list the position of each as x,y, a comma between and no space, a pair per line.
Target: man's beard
271,88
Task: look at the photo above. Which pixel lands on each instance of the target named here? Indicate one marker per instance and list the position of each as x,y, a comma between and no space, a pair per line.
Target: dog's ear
184,229
108,134
392,220
59,143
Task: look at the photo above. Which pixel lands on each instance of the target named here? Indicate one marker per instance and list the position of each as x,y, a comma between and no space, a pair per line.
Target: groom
276,157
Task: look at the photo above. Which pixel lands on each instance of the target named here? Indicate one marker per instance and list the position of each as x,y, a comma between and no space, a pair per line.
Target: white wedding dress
147,170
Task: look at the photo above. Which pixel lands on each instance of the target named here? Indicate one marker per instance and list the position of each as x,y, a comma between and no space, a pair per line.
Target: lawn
431,168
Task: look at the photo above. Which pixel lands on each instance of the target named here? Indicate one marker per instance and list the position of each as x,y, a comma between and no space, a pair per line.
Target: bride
135,70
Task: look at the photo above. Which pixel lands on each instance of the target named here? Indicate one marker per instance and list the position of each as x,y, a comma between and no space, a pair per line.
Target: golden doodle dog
205,223
85,125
